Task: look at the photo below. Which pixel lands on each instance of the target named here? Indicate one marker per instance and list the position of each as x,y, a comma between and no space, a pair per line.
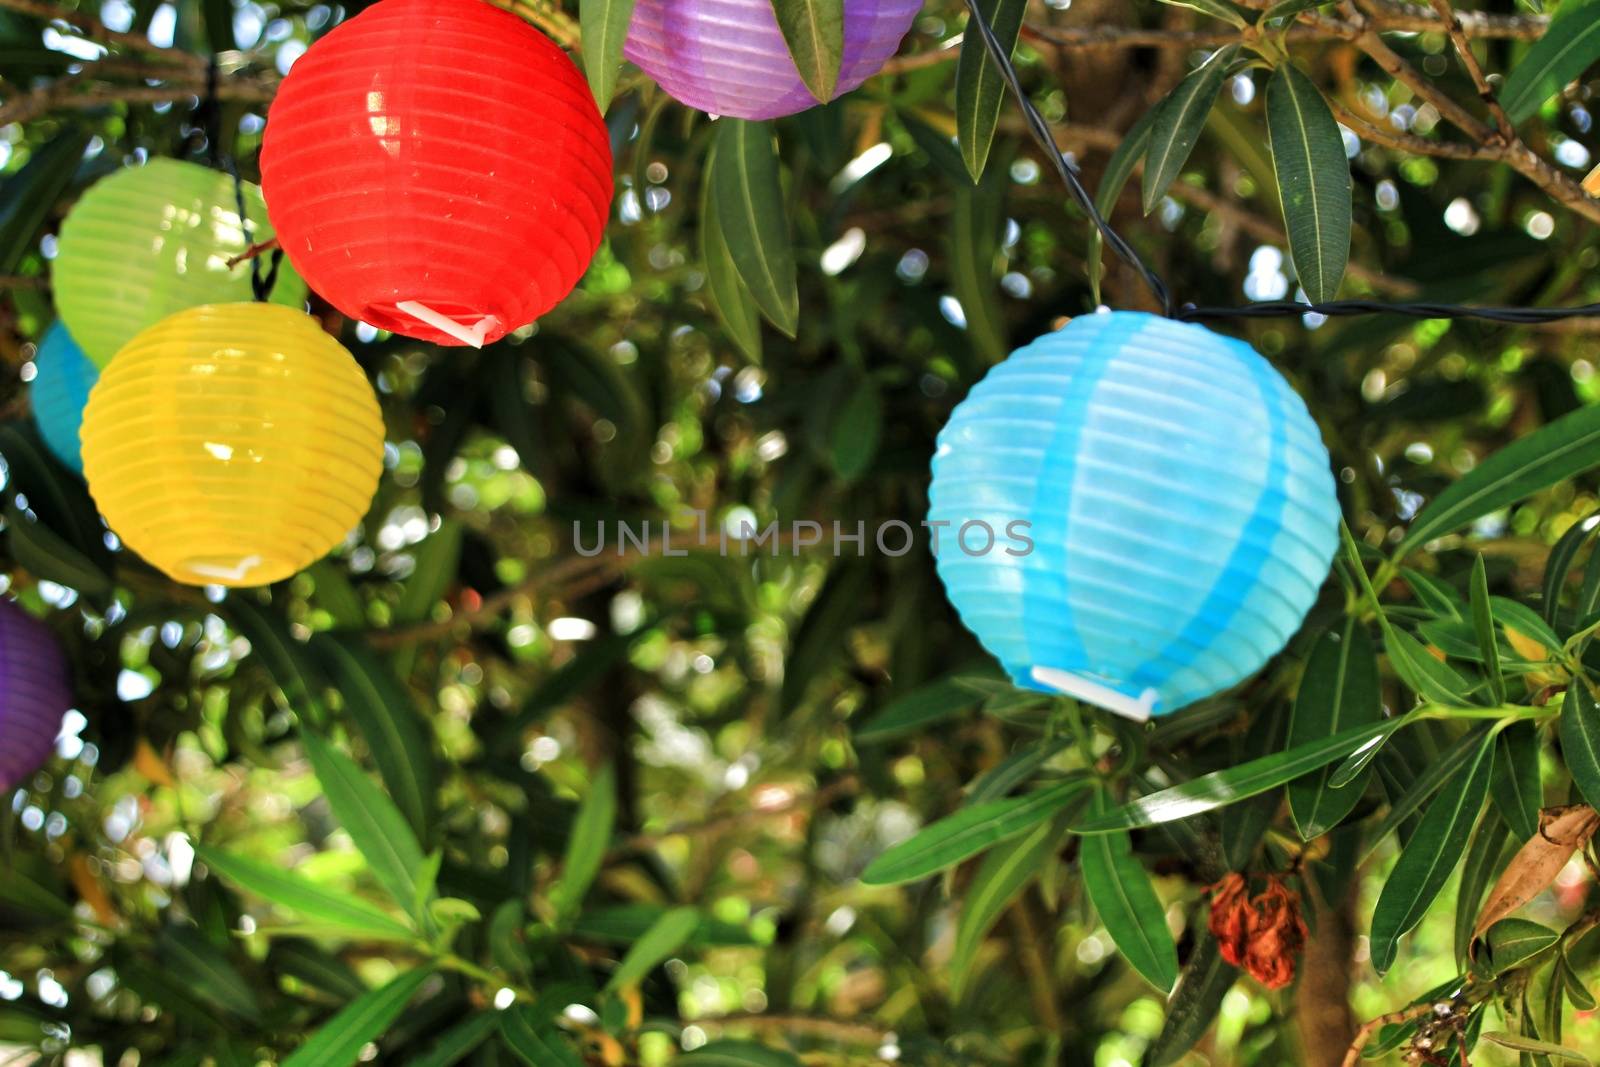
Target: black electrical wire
1039,129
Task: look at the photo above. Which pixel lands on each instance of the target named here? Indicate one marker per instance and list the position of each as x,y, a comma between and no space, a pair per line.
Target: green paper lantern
150,241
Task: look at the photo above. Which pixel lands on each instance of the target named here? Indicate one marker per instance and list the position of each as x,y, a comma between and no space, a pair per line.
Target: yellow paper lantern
233,444
147,241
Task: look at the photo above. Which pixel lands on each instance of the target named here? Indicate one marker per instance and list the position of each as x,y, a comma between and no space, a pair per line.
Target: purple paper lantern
34,695
728,57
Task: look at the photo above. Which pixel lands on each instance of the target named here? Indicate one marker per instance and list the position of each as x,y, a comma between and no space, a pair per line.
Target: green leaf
1001,878
980,87
1512,942
1313,181
1569,46
1517,792
814,32
1483,627
339,1041
297,674
1217,9
855,431
1179,119
304,961
1531,1044
376,826
1580,740
730,300
1120,890
195,962
665,937
603,25
1481,867
535,1042
1577,992
438,558
456,1042
273,883
1338,690
1436,596
732,1053
1221,788
1419,787
623,924
917,710
1525,621
47,555
587,845
1558,565
1553,453
1119,168
966,833
1206,979
974,244
753,218
1431,854
28,196
1422,673
1016,769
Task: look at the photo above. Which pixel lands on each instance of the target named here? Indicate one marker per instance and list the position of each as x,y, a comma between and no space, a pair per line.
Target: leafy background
459,793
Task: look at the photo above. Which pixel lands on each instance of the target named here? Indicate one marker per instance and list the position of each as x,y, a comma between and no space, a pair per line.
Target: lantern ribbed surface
148,241
34,694
728,57
60,388
233,444
438,168
1183,514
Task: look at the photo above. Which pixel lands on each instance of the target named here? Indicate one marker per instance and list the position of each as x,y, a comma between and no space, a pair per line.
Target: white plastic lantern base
228,572
468,335
1087,689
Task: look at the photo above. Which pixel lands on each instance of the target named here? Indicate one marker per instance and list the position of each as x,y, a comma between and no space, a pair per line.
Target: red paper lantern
437,168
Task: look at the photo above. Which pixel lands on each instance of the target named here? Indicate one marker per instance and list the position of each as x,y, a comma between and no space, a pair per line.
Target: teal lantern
61,384
1161,506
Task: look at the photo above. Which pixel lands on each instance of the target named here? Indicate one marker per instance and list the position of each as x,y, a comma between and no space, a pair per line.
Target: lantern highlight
149,241
1181,511
62,380
34,694
438,168
233,444
728,57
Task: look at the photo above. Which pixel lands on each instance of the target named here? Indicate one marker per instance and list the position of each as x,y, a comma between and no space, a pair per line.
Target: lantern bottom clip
468,335
1139,708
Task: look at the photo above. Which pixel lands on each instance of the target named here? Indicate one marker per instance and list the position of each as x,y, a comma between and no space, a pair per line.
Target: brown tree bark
1322,996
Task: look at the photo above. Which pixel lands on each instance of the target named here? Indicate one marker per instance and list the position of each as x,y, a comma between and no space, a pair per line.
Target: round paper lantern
233,444
438,168
147,241
728,57
60,388
1179,512
34,695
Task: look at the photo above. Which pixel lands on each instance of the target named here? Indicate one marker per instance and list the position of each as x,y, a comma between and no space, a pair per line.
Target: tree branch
92,28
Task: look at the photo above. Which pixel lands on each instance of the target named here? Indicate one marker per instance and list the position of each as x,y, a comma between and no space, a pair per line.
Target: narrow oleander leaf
1430,855
377,827
189,958
1526,630
1438,597
730,300
304,897
1125,900
1558,565
387,717
438,559
1422,673
1418,788
1577,992
1580,740
917,710
1553,453
339,1041
968,832
1512,942
1483,629
664,937
456,1043
535,1041
1178,121
1571,43
297,675
1338,690
1205,980
604,28
1313,181
1002,876
1119,168
1221,788
587,845
980,87
1516,790
1217,9
28,196
1490,847
814,32
974,243
46,554
1524,1043
750,207
736,1053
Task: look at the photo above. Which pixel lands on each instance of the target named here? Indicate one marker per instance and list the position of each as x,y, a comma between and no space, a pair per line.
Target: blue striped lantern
61,387
1178,500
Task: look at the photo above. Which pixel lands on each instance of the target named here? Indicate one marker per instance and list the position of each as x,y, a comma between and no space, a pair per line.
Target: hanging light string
208,120
1039,129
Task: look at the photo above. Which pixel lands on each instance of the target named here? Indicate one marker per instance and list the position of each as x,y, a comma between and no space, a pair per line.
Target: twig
855,1031
92,28
252,252
1352,1056
817,800
1458,39
42,101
